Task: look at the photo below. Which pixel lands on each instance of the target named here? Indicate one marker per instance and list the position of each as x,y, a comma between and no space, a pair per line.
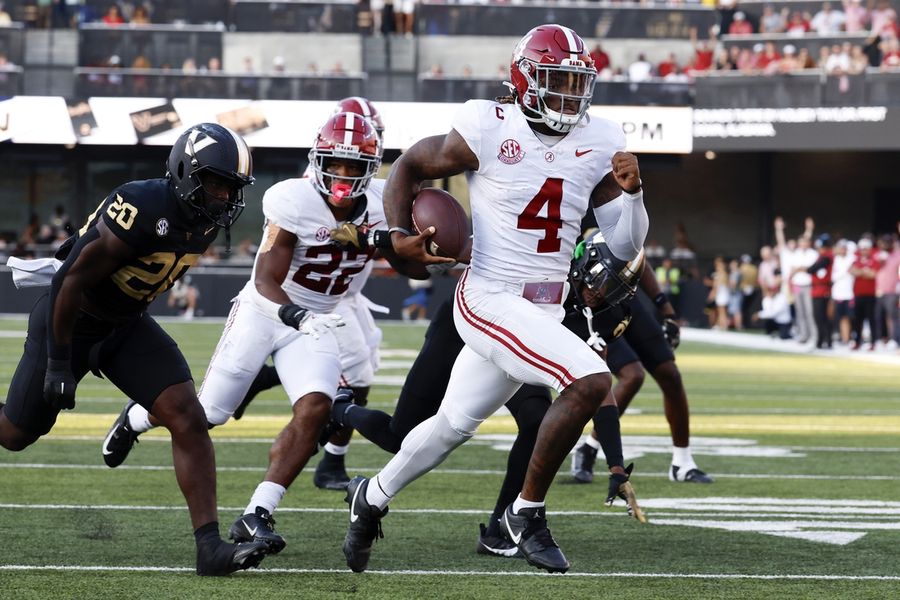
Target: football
435,207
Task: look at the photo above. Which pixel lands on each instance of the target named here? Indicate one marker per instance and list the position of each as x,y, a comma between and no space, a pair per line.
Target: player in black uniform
135,245
648,345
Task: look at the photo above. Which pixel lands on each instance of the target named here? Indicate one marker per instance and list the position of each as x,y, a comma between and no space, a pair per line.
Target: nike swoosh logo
253,531
515,538
353,515
109,437
582,152
372,225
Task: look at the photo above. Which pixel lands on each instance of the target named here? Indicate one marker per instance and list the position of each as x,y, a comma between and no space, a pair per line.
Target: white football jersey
528,198
321,270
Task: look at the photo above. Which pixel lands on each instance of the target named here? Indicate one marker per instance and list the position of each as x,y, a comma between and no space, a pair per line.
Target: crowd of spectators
814,289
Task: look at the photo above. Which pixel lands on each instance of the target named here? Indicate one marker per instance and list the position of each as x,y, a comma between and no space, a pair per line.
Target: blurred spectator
887,282
417,303
279,85
884,19
183,296
773,21
798,26
727,60
794,264
838,62
820,271
140,15
864,270
856,16
404,13
872,50
376,7
858,60
789,62
749,287
668,276
5,19
436,71
719,294
703,53
768,262
726,10
60,221
601,58
890,54
828,21
776,309
641,69
740,25
112,17
653,249
248,83
338,69
735,316
842,289
746,60
29,235
804,60
668,66
768,56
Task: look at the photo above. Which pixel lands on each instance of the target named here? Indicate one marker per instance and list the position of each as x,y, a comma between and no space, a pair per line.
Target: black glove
672,331
292,315
60,384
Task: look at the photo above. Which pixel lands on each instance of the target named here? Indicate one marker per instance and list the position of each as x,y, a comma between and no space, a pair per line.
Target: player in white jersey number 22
535,164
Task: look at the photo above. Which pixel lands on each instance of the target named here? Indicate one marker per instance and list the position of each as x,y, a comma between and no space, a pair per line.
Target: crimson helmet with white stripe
204,152
364,108
349,137
552,76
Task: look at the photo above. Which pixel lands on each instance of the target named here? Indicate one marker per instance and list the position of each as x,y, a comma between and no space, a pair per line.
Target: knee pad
459,422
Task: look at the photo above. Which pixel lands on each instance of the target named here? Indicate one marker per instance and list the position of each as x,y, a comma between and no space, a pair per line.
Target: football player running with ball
535,164
316,240
140,240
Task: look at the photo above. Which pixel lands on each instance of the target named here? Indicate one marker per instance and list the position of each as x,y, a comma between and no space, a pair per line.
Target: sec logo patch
510,152
323,234
162,227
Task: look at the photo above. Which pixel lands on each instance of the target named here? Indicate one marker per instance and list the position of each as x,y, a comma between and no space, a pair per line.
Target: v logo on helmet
198,146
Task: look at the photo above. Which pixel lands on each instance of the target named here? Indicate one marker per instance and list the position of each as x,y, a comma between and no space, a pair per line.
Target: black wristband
382,239
660,300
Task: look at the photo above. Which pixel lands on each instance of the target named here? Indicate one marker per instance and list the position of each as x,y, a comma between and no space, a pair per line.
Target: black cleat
495,545
331,476
257,527
583,463
267,378
225,558
120,439
365,525
693,475
528,529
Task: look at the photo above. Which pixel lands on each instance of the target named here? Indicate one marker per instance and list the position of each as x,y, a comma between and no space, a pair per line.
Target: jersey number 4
550,195
328,278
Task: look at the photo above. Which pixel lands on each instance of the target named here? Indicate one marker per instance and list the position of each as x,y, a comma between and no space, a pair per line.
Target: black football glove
672,331
292,315
60,384
620,487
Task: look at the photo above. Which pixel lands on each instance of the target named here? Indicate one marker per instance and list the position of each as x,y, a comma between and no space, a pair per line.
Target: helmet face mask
345,158
605,281
552,76
208,167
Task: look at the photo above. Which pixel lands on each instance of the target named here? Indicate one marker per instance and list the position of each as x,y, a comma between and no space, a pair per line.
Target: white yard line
441,572
782,476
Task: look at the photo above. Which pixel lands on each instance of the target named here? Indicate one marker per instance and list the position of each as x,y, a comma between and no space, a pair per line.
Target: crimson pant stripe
492,330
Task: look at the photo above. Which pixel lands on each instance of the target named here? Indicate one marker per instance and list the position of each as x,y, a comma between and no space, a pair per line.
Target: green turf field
805,450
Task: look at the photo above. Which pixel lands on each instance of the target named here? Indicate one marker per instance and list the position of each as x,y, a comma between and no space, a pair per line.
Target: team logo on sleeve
510,152
162,227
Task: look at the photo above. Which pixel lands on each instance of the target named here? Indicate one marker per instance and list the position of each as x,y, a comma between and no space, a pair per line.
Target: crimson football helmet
552,77
350,137
364,108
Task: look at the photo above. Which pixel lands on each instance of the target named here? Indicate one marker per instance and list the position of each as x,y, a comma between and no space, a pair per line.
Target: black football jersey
147,216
